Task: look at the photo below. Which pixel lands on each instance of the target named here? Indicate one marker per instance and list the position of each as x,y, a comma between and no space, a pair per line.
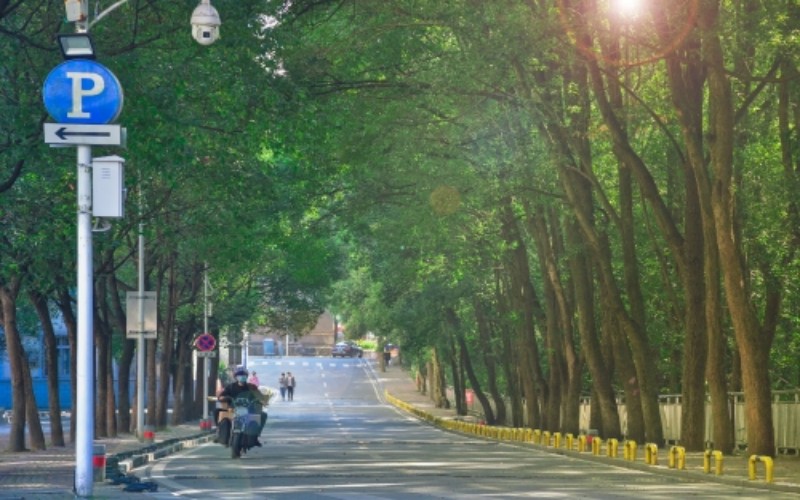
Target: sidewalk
47,474
735,469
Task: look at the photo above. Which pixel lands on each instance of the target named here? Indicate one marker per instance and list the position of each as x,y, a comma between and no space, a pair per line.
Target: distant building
34,349
315,342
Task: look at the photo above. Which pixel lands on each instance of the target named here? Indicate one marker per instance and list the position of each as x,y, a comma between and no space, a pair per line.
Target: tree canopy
540,200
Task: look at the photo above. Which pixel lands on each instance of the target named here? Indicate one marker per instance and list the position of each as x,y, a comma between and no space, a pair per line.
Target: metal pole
140,342
84,420
205,330
244,346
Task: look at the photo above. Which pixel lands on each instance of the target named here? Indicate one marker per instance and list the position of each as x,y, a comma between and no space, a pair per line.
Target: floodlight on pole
76,46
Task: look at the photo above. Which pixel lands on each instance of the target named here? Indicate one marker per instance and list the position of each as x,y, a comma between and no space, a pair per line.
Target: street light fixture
76,46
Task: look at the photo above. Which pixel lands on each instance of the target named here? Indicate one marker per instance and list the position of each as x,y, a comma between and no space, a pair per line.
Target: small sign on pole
66,134
148,327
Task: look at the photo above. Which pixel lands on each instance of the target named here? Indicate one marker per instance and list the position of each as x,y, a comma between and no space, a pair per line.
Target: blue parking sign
82,91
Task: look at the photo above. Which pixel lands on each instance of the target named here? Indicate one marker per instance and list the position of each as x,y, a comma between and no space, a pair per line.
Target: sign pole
84,431
140,342
205,330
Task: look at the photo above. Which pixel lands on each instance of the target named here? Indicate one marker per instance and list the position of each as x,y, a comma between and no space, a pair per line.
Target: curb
523,437
129,460
124,463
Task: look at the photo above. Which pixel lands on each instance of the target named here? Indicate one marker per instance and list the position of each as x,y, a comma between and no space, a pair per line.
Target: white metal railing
785,417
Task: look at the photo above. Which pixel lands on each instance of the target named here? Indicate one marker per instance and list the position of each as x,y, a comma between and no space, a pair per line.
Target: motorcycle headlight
241,411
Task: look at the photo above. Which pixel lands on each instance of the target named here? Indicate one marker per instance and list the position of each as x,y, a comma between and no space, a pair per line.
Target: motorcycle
239,423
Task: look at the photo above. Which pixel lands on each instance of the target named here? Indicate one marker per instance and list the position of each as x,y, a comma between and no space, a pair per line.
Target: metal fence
785,418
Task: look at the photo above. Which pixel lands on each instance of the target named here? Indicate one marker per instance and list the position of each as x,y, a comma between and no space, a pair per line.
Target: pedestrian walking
290,385
283,383
254,379
387,355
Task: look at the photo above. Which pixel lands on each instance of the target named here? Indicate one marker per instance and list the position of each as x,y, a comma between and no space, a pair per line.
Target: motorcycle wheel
236,445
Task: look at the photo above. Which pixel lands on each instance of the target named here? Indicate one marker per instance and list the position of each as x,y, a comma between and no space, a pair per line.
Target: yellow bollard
569,441
597,445
677,458
537,436
769,467
651,454
630,450
581,443
612,447
546,438
707,456
529,435
557,440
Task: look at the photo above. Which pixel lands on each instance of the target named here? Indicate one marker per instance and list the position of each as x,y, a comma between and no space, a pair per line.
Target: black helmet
240,370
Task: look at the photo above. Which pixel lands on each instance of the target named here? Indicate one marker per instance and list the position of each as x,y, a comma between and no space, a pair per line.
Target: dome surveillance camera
205,23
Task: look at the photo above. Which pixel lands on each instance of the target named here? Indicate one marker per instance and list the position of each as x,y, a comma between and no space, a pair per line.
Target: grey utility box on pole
108,187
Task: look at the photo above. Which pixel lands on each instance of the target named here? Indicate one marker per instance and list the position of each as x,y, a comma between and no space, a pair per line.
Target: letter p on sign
96,87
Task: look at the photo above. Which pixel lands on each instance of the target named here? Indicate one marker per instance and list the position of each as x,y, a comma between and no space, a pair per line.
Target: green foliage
354,156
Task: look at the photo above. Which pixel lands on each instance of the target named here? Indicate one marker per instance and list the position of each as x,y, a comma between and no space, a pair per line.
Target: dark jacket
249,391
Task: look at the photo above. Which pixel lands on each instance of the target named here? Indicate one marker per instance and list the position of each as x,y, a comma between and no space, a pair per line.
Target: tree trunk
111,400
527,308
603,398
566,367
457,373
35,433
152,382
124,367
754,342
621,354
459,364
475,382
510,355
39,303
101,373
67,313
695,342
199,397
167,347
181,405
485,335
8,300
438,382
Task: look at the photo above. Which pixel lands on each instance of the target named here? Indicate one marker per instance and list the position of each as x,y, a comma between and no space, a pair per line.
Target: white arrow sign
84,135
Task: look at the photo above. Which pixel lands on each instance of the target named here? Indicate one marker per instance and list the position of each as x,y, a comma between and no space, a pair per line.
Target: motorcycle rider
240,388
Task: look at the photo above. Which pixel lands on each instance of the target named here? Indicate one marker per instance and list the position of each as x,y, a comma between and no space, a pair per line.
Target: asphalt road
337,439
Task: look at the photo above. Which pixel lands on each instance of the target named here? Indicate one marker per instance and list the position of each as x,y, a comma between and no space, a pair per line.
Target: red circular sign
205,342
